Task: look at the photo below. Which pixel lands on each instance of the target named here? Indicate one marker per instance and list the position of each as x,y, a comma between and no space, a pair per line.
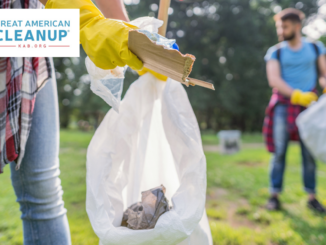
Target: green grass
243,181
237,192
73,145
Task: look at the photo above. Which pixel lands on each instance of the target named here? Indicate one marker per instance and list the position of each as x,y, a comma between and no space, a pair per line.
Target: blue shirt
298,67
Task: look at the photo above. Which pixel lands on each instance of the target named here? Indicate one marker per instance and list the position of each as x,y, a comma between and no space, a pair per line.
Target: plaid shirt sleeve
20,80
293,112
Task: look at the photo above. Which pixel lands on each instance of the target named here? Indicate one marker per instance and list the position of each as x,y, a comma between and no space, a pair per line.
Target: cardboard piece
168,62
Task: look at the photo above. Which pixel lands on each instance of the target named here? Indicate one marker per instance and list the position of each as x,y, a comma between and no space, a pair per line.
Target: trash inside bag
108,84
312,128
144,215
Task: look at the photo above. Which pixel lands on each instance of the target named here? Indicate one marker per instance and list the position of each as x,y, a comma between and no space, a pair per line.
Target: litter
144,214
159,58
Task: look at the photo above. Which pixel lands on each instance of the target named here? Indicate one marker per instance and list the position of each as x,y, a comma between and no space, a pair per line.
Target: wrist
295,96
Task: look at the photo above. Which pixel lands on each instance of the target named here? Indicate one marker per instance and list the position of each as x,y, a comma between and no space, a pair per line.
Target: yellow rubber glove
324,91
303,98
155,74
105,41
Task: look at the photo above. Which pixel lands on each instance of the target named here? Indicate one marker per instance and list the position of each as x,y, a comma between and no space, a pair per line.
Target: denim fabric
277,167
37,184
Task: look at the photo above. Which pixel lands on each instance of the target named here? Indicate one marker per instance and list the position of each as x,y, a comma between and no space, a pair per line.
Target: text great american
34,23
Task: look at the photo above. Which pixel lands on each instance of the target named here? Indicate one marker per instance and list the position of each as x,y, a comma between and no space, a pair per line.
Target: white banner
39,32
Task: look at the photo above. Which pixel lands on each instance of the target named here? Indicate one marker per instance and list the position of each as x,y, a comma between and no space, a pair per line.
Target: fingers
155,74
133,62
131,26
314,96
130,58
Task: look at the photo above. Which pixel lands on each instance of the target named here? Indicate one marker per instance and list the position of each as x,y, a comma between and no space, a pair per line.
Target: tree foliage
229,39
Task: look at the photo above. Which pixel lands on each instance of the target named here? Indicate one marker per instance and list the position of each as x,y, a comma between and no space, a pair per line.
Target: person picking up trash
30,139
292,71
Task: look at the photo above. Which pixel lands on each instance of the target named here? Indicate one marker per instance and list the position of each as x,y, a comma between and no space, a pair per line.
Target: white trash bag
312,128
153,140
107,84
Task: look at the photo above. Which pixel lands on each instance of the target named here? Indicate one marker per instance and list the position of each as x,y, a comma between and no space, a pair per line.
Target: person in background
278,21
29,128
293,68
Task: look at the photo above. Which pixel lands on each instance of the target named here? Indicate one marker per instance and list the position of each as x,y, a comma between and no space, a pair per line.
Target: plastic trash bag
144,214
154,139
108,84
312,128
158,39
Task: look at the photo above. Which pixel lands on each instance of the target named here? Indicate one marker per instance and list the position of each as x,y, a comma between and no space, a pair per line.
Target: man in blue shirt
292,71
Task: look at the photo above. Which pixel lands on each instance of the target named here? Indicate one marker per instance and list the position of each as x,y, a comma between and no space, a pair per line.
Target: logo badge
39,33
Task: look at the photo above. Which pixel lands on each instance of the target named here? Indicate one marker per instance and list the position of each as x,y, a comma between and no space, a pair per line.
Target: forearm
281,86
322,71
113,9
322,81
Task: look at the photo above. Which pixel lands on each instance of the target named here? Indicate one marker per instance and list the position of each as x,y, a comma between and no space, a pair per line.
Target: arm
105,41
322,71
297,97
275,80
113,9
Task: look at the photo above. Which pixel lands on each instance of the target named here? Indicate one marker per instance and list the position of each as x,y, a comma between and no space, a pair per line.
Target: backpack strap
317,56
316,49
278,53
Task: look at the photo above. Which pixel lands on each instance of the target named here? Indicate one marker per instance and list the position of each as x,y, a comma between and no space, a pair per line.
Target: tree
229,39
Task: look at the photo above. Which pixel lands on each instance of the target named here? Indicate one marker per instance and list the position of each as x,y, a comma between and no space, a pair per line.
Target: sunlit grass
244,179
237,192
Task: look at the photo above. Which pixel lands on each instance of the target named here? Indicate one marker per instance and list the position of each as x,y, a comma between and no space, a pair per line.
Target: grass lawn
237,191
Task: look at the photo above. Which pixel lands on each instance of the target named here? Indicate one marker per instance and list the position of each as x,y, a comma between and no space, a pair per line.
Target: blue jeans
37,184
281,140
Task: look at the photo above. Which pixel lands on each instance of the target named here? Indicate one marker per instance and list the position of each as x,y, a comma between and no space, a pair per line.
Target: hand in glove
303,98
105,41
